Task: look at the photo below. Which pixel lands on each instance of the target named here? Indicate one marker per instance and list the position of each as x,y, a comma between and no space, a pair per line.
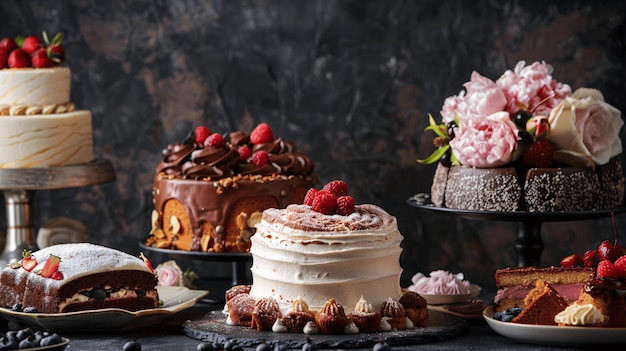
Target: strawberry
215,140
324,202
310,195
606,269
4,58
50,266
262,134
31,44
589,258
345,205
57,275
244,152
40,59
260,158
336,187
8,44
28,262
538,154
620,266
570,261
202,133
19,58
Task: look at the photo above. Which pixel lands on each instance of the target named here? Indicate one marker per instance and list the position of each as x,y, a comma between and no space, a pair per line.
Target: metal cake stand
18,184
528,244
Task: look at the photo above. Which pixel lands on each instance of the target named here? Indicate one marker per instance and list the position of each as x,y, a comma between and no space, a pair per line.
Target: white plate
554,335
448,299
175,299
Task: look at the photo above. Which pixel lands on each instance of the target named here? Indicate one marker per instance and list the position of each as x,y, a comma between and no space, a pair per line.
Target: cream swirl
440,282
576,314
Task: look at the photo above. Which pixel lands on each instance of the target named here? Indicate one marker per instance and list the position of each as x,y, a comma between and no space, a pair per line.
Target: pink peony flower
482,97
485,142
532,88
585,129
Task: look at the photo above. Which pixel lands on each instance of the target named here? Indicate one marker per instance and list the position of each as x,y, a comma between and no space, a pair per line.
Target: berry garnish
324,202
520,118
19,58
202,133
215,140
262,134
54,48
244,152
4,58
260,158
606,270
589,258
620,266
609,251
31,44
8,44
538,126
345,205
538,154
40,59
28,262
50,266
146,261
336,187
570,261
57,275
310,195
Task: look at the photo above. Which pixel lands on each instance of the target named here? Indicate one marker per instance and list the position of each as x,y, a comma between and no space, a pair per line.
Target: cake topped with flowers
526,142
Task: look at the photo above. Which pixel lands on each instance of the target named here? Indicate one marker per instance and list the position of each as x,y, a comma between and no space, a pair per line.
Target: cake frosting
208,197
39,125
527,142
580,315
300,253
126,281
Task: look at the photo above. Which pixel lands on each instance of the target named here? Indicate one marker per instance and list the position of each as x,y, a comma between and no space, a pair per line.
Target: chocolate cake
208,195
76,277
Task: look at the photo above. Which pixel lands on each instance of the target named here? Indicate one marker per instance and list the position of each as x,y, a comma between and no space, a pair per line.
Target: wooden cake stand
528,244
18,184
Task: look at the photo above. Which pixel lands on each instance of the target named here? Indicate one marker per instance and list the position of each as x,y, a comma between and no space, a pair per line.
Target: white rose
585,130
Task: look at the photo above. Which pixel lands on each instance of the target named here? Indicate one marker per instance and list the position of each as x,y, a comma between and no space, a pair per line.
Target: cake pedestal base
213,328
528,244
18,185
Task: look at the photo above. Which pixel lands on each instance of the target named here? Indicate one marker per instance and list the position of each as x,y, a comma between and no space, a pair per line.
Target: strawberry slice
51,266
28,262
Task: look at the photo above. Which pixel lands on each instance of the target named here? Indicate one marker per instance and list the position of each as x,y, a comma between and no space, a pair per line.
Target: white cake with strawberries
39,125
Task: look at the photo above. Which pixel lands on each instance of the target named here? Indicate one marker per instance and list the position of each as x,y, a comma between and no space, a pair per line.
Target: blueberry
12,335
99,294
29,342
132,346
205,346
7,343
263,347
237,348
280,347
309,346
30,310
228,346
51,339
24,333
17,307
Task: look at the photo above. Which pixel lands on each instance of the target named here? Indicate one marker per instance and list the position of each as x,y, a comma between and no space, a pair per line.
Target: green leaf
435,156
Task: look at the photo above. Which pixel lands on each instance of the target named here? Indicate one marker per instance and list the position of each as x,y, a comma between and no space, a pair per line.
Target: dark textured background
351,82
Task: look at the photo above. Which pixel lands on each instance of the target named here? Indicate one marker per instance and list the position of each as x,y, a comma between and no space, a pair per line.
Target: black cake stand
528,244
17,186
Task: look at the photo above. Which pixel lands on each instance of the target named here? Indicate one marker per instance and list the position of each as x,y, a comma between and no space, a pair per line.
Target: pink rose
485,142
169,276
585,130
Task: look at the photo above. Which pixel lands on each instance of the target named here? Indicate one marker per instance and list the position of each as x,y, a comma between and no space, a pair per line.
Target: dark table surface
169,335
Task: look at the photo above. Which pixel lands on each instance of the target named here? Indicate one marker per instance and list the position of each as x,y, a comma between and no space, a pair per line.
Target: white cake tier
46,140
35,86
318,265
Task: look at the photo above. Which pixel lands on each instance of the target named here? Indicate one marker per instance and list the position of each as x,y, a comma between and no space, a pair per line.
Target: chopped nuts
174,225
242,221
255,218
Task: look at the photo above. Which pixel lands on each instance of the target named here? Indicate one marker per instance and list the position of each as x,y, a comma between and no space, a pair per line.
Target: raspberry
606,269
345,205
202,133
244,152
310,195
215,140
620,266
324,202
336,187
262,134
260,158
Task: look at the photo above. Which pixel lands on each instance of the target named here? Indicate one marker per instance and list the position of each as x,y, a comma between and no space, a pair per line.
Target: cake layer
299,252
35,86
46,140
91,276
